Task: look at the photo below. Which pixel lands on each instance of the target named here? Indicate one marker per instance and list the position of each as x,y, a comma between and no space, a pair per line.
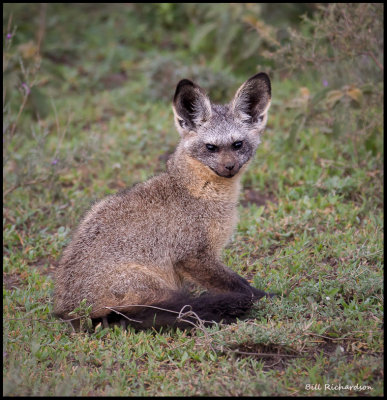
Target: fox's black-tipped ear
252,100
191,106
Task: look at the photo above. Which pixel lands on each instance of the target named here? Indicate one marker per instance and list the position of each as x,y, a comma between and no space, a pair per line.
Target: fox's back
150,223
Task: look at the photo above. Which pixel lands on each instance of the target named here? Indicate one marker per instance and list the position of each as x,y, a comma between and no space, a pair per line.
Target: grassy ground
311,229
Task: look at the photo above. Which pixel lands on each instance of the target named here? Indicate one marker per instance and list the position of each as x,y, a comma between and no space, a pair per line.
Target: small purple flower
325,83
27,89
54,162
9,35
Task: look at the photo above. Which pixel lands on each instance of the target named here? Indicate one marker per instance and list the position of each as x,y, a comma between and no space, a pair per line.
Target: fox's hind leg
128,288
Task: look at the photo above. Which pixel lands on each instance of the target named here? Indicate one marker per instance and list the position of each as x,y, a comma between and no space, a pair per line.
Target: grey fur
140,246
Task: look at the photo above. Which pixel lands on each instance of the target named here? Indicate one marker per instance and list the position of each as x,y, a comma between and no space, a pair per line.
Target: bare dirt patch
251,196
46,266
12,281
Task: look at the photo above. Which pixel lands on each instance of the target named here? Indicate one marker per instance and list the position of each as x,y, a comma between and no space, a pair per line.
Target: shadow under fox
140,246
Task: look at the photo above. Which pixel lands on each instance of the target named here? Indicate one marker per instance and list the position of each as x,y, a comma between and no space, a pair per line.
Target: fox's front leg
215,276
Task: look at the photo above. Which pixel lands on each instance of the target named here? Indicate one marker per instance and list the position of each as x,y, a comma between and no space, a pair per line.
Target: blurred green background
66,63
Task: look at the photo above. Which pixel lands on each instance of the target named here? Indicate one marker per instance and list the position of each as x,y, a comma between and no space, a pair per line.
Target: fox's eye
237,145
211,147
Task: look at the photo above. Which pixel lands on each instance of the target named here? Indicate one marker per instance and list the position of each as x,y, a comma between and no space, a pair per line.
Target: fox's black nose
230,167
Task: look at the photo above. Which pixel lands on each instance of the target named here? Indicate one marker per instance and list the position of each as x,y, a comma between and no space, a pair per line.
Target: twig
21,108
272,365
179,313
123,315
263,355
12,188
372,55
324,337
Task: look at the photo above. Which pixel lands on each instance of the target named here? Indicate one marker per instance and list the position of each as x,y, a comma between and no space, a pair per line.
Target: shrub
341,46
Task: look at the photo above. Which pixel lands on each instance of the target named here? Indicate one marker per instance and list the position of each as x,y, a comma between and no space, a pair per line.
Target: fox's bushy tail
183,311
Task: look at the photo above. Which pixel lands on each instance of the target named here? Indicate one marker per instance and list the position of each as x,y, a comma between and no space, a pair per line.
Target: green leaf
318,97
333,97
355,94
184,358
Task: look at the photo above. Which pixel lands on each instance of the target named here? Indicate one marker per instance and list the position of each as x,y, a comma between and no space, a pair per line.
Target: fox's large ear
191,106
252,101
